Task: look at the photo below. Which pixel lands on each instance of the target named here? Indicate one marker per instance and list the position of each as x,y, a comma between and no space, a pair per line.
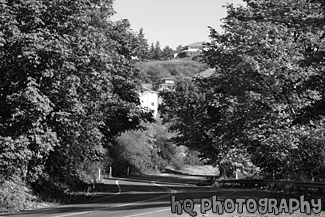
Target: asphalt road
151,196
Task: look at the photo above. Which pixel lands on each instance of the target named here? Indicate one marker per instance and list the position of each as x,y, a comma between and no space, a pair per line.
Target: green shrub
177,163
14,195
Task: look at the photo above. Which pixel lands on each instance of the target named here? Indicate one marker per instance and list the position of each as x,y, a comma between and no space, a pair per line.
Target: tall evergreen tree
157,53
167,53
143,48
151,51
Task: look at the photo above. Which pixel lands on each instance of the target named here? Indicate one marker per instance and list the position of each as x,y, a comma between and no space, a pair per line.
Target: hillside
153,71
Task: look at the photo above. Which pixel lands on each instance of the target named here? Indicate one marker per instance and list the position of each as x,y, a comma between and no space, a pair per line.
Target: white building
149,99
166,83
190,50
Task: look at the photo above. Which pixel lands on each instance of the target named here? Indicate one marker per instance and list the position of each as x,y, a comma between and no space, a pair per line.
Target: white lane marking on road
72,214
146,213
81,213
115,194
142,201
173,191
119,188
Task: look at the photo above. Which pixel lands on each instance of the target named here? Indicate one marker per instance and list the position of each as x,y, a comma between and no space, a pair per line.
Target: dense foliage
149,151
67,88
265,102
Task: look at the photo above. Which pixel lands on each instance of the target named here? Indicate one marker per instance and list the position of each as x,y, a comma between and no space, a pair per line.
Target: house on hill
166,83
149,99
190,50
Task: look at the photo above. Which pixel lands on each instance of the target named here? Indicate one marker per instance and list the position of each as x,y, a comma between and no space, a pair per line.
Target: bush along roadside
15,195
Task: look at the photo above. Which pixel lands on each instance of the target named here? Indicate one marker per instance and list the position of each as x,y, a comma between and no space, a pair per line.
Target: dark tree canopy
67,86
266,98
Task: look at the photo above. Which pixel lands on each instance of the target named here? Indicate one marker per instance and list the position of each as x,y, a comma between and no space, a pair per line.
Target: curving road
149,196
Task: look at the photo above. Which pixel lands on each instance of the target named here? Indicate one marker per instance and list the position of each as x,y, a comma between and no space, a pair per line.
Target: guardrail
212,179
260,182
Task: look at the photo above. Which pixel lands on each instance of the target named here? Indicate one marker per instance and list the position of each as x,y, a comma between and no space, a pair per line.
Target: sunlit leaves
267,92
261,61
67,85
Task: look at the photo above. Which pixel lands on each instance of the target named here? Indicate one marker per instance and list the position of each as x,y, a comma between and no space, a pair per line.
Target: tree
151,51
167,53
145,151
143,49
266,68
68,87
157,52
261,57
200,121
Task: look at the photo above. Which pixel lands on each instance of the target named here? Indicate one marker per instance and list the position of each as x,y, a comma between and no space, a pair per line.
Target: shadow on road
143,192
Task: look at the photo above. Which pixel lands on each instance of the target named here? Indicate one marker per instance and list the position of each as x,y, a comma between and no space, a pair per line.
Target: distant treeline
154,51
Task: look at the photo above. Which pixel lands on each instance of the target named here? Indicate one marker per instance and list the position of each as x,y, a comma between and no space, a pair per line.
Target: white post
94,182
99,173
110,172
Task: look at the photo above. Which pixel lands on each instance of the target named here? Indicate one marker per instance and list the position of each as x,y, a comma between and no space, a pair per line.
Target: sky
173,22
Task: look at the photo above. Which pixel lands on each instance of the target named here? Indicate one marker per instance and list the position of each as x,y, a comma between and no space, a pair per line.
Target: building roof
195,44
147,86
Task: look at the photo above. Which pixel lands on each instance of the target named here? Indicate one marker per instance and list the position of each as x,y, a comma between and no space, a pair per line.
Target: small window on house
152,104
